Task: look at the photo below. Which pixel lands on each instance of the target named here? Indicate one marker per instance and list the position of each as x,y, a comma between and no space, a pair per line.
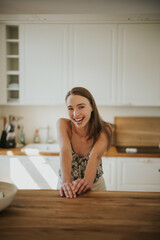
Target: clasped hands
71,189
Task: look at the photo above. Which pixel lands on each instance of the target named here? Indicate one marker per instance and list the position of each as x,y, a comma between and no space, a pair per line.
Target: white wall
41,116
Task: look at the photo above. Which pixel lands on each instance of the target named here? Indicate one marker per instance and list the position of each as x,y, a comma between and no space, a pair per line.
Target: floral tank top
79,165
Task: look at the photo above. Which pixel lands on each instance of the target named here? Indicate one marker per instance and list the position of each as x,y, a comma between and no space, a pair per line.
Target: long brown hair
96,124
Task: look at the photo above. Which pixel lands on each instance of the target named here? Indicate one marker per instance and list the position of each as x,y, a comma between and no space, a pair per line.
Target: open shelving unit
12,63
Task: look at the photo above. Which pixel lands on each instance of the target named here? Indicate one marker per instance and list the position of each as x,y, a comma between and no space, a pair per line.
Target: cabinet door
139,64
4,169
93,60
44,62
109,169
138,174
37,172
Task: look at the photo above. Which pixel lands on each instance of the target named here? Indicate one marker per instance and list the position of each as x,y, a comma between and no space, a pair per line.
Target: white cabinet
5,169
120,174
118,63
109,169
139,64
44,60
138,174
37,172
93,50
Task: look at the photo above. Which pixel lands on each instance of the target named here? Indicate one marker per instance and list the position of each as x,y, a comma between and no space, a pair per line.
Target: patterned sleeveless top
79,165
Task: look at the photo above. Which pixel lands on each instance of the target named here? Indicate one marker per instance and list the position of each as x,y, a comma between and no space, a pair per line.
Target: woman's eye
81,107
70,109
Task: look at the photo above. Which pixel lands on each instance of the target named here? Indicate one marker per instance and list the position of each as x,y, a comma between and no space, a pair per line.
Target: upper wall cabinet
44,61
93,49
9,66
118,63
139,64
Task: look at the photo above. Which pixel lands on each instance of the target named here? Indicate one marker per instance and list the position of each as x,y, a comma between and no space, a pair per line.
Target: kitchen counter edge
111,153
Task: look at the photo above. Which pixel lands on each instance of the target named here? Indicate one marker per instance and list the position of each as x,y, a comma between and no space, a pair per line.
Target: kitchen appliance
8,137
137,134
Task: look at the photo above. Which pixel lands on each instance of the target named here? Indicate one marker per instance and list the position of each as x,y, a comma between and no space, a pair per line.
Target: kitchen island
95,215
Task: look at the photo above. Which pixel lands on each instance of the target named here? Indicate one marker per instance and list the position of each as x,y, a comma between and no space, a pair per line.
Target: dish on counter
8,192
41,147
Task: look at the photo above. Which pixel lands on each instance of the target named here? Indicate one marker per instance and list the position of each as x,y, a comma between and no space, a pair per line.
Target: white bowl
9,191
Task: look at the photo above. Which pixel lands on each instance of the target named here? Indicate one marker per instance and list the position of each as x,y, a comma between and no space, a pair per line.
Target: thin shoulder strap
71,129
70,123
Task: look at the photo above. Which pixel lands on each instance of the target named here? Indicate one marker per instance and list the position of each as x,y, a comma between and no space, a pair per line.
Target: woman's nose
75,113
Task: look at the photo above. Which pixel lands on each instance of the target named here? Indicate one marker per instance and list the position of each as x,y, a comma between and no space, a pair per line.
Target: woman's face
79,109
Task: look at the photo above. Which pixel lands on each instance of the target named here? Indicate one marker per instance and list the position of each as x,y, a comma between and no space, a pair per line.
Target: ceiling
79,6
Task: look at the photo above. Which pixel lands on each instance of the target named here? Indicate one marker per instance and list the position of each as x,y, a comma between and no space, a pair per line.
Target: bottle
22,137
36,138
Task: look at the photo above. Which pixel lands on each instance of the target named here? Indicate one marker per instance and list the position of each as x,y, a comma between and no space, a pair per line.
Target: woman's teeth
79,120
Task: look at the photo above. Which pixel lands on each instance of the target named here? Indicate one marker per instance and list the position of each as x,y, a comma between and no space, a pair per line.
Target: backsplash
35,117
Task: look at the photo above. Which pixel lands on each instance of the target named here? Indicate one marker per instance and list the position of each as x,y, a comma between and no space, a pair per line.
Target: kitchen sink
138,149
41,147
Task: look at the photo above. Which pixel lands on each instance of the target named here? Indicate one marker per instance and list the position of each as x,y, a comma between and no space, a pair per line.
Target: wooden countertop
42,214
111,153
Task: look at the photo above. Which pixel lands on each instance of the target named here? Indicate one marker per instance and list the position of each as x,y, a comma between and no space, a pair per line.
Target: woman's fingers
78,186
75,184
68,191
72,191
61,192
86,188
83,186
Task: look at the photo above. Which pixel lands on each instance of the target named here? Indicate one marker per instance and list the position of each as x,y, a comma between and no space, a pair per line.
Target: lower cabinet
30,172
138,174
109,169
120,174
5,169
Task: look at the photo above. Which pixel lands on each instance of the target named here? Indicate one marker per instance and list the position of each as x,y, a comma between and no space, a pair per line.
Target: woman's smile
78,120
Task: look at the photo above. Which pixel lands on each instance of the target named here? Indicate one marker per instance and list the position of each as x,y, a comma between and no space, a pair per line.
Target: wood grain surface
42,214
137,131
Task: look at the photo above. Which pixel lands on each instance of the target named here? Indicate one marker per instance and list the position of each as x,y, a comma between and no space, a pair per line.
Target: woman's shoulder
63,123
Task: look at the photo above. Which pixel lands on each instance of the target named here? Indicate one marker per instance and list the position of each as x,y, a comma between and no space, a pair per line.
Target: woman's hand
81,185
67,190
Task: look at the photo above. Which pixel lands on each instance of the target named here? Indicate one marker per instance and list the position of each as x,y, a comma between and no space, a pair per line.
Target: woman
83,138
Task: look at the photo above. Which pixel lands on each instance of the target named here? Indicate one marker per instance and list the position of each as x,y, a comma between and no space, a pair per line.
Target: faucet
48,139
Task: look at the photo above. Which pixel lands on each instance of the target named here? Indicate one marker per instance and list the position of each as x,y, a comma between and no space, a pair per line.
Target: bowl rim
15,189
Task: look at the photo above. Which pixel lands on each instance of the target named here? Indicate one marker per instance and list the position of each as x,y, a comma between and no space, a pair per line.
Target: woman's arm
65,157
81,185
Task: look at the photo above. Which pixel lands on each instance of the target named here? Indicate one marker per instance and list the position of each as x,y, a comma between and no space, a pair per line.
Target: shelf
12,72
12,56
13,100
12,88
12,41
12,63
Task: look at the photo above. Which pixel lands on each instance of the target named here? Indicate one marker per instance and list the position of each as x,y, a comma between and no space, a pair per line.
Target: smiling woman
83,138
